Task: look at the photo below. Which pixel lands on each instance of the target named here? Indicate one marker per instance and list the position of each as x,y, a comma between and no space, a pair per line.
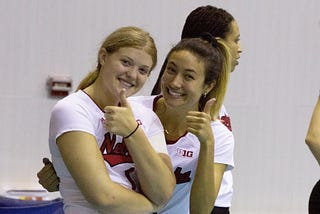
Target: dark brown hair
213,20
216,58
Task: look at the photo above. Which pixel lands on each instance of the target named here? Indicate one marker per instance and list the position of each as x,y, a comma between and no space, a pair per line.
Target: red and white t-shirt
184,157
78,112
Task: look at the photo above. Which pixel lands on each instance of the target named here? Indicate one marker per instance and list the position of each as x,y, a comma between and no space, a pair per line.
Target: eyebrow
132,60
146,67
188,70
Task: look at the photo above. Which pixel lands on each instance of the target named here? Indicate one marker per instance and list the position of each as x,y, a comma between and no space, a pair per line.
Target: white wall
270,97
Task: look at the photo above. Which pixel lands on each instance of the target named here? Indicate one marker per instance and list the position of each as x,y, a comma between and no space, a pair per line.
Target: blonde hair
220,88
131,37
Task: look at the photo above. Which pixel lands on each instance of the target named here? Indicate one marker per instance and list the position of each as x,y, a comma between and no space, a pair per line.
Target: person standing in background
313,142
222,25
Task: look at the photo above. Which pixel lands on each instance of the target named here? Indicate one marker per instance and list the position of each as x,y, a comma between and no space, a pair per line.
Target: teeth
125,84
174,93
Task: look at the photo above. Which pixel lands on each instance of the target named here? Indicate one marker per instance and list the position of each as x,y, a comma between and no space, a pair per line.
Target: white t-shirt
224,197
184,157
78,112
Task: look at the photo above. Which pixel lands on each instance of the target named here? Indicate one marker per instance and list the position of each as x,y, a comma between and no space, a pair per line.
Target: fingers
123,98
208,105
48,178
198,117
198,121
46,161
108,112
46,172
52,185
111,111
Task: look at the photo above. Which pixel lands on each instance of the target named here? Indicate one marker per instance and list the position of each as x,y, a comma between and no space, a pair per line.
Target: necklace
171,135
161,112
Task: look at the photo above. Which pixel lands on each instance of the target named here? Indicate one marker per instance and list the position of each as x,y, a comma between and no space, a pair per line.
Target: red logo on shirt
182,177
114,152
226,121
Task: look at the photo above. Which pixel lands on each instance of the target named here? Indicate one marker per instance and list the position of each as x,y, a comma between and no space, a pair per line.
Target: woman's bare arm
84,161
313,134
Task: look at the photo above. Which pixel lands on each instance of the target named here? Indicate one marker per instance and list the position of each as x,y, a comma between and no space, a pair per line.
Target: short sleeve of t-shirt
224,144
72,116
151,125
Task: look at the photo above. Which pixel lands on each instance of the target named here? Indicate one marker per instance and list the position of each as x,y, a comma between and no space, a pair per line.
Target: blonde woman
105,151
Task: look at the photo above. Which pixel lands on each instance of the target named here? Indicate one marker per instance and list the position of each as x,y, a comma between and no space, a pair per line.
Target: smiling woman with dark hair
222,25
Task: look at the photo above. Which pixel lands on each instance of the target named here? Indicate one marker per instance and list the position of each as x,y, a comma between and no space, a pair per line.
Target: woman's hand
48,177
120,119
198,123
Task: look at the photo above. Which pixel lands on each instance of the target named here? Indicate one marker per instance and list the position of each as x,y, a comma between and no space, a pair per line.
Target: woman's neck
173,120
99,96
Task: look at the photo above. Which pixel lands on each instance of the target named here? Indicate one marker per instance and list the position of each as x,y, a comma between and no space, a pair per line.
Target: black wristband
133,131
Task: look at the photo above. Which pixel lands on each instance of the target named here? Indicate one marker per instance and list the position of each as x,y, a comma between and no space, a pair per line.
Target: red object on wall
59,85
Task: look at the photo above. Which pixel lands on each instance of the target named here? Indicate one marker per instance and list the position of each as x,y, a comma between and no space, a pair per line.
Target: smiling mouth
174,93
125,84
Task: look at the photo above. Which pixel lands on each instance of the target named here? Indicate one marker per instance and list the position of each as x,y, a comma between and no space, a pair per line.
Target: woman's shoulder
220,130
75,97
75,103
143,112
146,101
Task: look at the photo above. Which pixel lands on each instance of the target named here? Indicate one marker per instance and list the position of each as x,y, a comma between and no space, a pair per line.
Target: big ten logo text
184,153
